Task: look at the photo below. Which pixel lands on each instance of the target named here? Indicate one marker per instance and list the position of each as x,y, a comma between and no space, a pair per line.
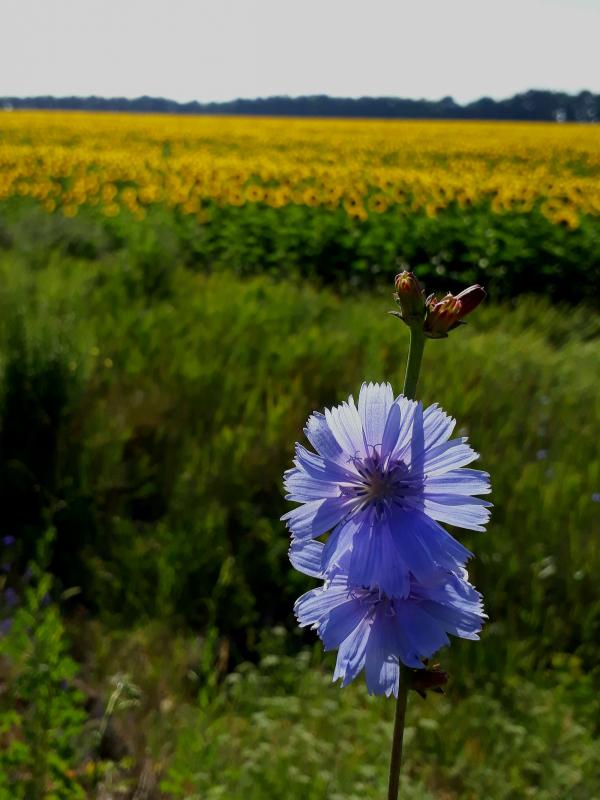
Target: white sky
222,49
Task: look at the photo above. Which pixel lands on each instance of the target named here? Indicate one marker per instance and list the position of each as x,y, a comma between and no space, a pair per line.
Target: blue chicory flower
375,632
383,477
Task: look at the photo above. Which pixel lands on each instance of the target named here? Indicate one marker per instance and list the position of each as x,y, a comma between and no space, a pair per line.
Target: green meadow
150,650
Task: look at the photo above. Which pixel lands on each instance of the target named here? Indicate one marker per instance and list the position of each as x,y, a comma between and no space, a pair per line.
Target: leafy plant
42,715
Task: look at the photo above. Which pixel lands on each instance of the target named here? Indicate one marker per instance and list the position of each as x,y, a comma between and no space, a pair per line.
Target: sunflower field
515,205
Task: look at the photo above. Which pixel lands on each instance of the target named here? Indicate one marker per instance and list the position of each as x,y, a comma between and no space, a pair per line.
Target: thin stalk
413,364
396,757
413,367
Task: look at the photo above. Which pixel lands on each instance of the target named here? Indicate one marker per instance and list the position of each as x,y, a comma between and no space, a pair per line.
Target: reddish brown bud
470,298
442,316
410,297
446,314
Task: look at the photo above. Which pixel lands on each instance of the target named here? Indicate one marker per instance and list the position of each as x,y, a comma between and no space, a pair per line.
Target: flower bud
442,316
470,298
410,297
446,314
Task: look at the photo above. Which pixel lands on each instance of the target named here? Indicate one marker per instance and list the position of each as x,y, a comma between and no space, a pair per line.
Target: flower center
379,484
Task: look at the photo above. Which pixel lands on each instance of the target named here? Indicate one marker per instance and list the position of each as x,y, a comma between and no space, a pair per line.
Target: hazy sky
222,49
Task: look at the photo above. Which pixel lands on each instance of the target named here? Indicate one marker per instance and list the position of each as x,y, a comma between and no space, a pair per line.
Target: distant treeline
531,105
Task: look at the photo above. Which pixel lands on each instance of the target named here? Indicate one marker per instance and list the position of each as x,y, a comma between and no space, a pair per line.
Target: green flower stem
413,366
396,757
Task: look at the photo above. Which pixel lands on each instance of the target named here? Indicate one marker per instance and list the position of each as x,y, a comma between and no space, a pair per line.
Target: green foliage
41,715
178,416
151,422
149,401
511,253
282,730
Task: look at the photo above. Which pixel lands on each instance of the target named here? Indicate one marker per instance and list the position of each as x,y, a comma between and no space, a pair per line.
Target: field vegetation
153,380
514,205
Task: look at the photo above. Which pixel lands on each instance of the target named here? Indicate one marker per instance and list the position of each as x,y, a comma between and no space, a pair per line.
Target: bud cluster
437,317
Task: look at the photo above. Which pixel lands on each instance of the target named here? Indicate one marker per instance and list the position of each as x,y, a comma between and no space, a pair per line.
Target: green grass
153,433
284,731
150,424
281,729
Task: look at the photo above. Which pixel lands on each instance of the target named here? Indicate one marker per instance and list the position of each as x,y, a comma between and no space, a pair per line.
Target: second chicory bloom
384,475
377,633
